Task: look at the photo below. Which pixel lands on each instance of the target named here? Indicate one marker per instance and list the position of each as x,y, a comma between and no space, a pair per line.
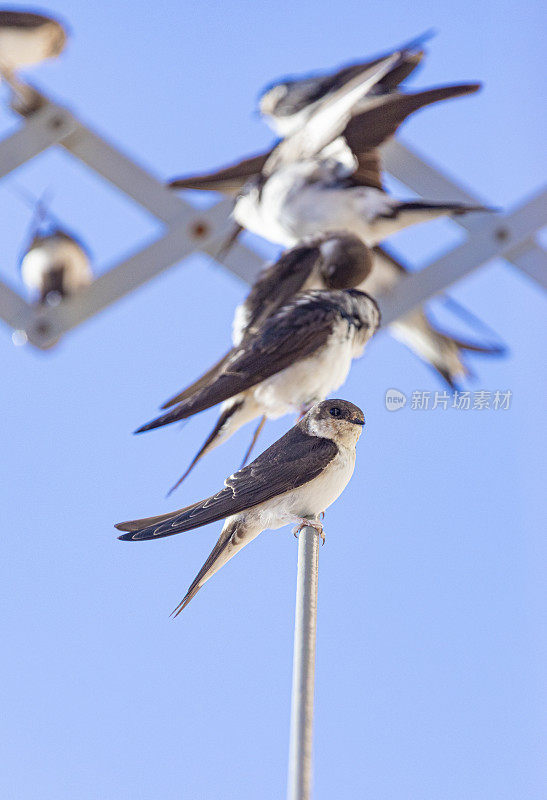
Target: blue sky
431,648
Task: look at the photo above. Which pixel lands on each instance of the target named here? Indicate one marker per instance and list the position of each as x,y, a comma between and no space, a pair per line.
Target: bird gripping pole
305,628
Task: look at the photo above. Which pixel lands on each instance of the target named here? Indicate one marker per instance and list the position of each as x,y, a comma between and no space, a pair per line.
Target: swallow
293,481
342,261
295,358
330,261
55,266
300,192
291,191
287,104
443,352
319,132
301,97
27,38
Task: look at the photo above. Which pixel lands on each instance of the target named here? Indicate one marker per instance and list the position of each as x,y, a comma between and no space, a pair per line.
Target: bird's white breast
55,253
260,213
21,48
287,125
312,498
317,207
311,379
303,200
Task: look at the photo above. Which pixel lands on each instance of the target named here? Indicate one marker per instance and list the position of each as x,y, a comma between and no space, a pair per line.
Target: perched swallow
286,105
289,192
342,261
441,351
299,193
294,480
295,358
329,261
328,121
55,266
27,38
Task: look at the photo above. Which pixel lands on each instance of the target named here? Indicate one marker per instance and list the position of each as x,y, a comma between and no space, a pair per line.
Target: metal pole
305,627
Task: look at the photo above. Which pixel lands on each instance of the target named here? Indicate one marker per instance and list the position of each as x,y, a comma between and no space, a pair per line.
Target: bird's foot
309,523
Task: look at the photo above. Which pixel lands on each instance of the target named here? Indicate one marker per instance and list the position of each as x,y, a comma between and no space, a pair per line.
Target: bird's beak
357,421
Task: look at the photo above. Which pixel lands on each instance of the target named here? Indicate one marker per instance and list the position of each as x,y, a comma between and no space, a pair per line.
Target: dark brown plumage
295,331
364,133
336,260
293,460
10,18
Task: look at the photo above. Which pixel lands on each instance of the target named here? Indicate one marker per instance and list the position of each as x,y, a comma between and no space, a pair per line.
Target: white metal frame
510,235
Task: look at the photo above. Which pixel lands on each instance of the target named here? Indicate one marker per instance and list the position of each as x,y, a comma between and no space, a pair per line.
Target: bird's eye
335,411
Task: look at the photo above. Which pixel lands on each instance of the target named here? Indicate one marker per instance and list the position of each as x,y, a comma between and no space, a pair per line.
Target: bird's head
58,37
346,261
339,420
271,97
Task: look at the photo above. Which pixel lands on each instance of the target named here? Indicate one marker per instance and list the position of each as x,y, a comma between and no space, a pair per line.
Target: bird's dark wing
372,127
312,88
401,72
294,332
279,283
206,378
384,275
229,180
408,63
22,19
292,461
369,169
52,282
329,118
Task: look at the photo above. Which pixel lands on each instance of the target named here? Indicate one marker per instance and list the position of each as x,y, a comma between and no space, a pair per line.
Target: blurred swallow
328,121
55,266
300,193
301,98
320,131
290,192
293,481
330,261
27,38
295,358
287,104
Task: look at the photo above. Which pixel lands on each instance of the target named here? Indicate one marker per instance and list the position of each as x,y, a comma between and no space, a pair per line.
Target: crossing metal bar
531,259
134,270
428,180
496,235
13,309
189,230
303,676
47,126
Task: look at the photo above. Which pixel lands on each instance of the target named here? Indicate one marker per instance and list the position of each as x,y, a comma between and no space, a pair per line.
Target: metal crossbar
187,230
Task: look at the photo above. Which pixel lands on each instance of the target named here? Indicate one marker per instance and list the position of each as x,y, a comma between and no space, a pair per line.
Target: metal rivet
502,234
42,328
199,229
